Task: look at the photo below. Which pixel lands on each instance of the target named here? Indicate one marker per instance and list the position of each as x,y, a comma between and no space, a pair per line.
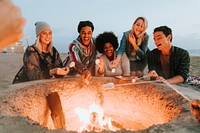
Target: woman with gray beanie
41,60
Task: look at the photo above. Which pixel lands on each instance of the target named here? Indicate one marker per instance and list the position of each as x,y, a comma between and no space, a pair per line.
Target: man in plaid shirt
167,62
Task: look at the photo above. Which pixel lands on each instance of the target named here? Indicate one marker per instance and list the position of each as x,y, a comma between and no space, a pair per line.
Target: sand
10,65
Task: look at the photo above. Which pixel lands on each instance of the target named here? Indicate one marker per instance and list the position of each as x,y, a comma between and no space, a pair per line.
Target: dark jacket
36,65
179,62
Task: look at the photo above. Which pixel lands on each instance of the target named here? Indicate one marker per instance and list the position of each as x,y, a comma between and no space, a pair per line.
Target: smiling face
138,27
46,37
108,49
86,35
161,41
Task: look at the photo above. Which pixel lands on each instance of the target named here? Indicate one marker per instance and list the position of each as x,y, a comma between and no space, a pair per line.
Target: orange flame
93,119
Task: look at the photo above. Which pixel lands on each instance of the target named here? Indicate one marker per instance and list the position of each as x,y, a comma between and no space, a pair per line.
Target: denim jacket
126,46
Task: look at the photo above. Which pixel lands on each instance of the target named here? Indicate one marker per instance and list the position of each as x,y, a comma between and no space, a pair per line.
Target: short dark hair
106,37
83,24
166,30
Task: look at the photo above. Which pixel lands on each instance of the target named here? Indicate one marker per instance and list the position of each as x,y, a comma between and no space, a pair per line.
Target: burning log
57,115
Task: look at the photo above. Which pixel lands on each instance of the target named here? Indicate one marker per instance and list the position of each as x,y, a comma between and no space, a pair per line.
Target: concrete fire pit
149,107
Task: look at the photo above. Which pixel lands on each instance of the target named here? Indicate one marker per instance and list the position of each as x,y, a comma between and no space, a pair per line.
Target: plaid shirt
179,62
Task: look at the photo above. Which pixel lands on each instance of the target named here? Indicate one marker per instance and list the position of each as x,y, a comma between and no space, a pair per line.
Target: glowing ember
93,119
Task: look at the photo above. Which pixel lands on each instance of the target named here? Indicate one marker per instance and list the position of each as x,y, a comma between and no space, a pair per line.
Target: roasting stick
168,84
72,64
135,79
111,85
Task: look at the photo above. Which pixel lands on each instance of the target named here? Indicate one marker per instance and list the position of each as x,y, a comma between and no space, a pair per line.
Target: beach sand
195,66
10,65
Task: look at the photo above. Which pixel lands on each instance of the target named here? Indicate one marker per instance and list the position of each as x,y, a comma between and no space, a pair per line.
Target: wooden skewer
168,84
112,85
142,77
136,79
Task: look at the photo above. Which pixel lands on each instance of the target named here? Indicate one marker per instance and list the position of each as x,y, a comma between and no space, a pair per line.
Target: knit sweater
123,68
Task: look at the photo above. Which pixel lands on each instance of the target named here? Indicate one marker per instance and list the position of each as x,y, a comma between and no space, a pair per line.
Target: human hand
100,63
153,74
195,109
66,69
12,24
86,76
59,71
132,40
62,71
161,79
116,62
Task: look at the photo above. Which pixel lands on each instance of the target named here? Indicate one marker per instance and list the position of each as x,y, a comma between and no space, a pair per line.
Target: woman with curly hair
107,43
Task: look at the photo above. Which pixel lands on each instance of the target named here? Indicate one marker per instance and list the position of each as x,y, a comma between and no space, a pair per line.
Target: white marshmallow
133,80
72,64
113,70
97,61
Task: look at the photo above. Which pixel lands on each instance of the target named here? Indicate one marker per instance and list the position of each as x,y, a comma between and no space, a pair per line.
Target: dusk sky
112,15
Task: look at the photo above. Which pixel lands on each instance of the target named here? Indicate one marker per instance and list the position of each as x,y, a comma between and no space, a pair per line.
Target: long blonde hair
141,35
39,45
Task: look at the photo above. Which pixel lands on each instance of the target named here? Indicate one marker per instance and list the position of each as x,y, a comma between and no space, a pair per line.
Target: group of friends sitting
104,56
98,56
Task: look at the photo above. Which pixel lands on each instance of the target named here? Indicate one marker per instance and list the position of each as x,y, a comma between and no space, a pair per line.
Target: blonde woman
134,43
41,60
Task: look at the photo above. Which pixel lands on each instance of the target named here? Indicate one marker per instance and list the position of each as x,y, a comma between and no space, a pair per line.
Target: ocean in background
194,52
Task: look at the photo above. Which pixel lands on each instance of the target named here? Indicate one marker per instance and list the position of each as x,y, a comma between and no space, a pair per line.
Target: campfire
91,108
94,120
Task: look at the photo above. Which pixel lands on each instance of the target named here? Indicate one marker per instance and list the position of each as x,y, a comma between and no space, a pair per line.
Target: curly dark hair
106,37
83,24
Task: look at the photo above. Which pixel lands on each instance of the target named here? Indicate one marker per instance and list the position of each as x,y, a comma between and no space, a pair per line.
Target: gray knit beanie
40,26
